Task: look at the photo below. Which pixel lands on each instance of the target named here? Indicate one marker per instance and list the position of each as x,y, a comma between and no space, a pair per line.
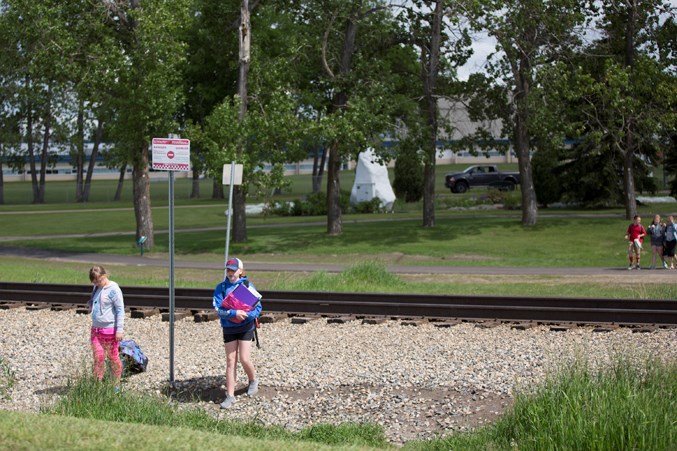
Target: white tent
371,180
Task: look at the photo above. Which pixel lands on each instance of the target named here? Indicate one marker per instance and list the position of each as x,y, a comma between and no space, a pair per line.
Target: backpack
133,359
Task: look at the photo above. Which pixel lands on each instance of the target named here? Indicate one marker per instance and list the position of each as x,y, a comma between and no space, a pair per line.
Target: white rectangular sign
237,176
171,154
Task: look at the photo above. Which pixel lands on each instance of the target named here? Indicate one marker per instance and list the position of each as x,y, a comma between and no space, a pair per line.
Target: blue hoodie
220,292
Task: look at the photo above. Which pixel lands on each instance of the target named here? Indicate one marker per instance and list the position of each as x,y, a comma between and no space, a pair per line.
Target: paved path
137,260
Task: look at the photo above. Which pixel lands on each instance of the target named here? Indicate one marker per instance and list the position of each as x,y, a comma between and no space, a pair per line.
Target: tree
529,34
443,45
32,40
347,84
618,96
147,91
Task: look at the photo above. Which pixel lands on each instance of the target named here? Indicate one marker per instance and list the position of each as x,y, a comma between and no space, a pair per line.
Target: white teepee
371,180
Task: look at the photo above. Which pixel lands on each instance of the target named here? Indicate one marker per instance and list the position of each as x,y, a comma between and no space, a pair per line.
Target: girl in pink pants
107,308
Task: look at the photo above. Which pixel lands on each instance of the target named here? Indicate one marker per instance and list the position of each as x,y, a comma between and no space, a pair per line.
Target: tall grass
7,378
360,277
625,406
88,398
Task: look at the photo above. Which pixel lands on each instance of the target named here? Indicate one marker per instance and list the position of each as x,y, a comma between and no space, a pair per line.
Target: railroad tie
10,305
177,315
340,319
374,320
605,328
63,307
303,319
412,322
446,324
203,317
144,312
270,318
523,326
563,327
488,324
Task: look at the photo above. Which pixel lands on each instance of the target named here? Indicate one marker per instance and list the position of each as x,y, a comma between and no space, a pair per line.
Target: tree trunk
334,221
629,153
429,70
98,135
195,189
29,143
80,152
217,190
121,181
529,203
141,192
2,185
629,177
318,168
45,147
239,197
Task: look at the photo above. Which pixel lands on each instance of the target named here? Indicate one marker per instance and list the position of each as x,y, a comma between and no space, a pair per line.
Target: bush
408,180
312,205
371,206
7,378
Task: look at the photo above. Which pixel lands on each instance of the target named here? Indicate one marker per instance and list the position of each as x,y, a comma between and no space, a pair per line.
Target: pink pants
104,342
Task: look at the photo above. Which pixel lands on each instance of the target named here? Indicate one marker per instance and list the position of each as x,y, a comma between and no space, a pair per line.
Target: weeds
7,378
88,398
626,405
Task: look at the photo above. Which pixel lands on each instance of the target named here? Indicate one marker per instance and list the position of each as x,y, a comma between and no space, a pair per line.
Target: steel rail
503,308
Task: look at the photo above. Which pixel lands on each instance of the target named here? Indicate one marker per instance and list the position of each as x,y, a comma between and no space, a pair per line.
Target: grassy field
626,406
461,238
102,191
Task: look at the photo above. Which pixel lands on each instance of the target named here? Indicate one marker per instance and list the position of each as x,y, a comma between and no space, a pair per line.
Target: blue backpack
133,359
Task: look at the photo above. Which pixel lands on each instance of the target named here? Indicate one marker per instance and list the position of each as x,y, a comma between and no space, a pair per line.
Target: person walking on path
670,241
107,307
635,235
657,231
238,327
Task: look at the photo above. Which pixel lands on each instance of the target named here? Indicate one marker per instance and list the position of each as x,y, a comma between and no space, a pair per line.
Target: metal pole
171,278
229,214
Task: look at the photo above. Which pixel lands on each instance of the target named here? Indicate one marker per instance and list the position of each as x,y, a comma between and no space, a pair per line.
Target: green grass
102,191
629,405
7,378
454,241
626,406
27,431
360,277
89,399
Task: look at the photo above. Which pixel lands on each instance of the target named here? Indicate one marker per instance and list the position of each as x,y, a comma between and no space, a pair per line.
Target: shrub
408,181
7,378
314,204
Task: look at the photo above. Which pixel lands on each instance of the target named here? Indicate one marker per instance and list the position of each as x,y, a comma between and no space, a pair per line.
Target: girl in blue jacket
238,330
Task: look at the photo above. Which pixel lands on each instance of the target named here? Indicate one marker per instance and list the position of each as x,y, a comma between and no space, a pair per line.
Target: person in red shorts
635,235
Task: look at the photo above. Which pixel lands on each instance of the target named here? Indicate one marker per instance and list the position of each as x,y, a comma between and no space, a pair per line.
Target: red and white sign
171,154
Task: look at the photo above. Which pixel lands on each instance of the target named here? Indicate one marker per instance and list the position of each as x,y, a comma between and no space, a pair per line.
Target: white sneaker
229,401
665,265
253,387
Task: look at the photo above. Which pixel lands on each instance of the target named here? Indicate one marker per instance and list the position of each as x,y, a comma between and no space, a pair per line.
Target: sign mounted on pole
171,154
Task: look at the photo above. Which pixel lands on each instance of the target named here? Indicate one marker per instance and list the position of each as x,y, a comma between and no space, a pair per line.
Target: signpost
232,175
171,154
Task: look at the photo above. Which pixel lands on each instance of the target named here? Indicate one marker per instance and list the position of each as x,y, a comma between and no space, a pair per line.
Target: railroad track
477,308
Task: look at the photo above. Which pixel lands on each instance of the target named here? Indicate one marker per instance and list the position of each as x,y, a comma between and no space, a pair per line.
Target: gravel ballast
415,381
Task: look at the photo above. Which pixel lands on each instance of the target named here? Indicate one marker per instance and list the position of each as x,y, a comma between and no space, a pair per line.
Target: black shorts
243,336
670,248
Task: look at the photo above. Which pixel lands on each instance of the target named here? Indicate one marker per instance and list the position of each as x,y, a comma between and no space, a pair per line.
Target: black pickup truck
481,175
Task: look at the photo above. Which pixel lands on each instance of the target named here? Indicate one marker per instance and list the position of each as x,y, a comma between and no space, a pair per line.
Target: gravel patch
415,381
